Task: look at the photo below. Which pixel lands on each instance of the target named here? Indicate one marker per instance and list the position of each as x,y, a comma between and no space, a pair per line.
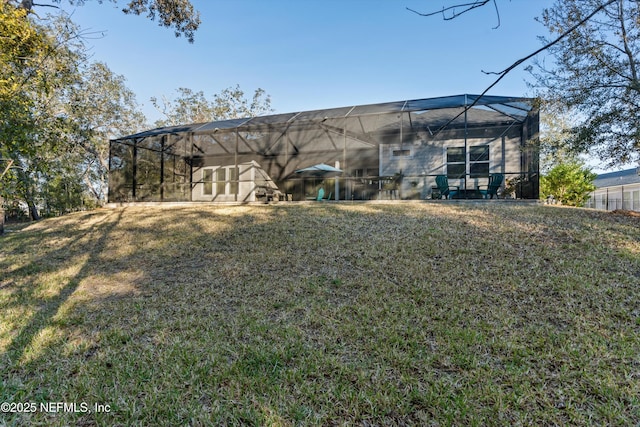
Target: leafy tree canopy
58,111
569,183
556,124
19,44
194,107
30,72
177,14
596,75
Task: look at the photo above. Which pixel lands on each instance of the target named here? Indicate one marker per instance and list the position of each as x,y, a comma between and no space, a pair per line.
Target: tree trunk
1,215
33,210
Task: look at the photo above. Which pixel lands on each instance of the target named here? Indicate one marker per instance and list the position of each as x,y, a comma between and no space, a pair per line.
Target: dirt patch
625,212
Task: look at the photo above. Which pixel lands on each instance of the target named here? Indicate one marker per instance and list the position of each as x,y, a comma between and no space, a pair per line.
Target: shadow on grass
340,313
42,318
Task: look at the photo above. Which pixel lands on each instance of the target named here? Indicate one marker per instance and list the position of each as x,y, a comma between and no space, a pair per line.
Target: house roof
623,177
486,109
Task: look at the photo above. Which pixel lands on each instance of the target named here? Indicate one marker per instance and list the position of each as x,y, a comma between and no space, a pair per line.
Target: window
221,180
456,162
225,179
207,179
601,202
479,161
401,153
632,200
233,180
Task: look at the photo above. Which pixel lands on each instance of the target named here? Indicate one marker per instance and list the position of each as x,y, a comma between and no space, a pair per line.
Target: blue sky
312,54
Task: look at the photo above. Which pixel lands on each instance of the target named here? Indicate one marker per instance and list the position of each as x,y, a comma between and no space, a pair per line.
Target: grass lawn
323,314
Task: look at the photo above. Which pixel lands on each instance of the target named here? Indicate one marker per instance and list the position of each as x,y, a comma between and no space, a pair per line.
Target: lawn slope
323,314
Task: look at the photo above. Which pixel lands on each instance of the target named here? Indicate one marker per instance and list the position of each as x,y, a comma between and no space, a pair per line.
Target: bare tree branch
504,72
467,7
497,14
627,49
454,14
45,5
9,163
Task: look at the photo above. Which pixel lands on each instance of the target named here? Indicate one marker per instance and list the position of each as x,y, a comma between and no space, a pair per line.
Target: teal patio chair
495,181
443,186
320,197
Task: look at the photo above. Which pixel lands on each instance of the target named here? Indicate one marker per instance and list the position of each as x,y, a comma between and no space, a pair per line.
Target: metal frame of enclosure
384,151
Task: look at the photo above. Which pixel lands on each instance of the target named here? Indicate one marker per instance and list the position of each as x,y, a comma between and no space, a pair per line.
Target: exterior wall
421,161
618,197
209,186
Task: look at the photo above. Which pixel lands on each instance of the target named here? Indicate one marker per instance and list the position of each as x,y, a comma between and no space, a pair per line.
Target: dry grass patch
436,314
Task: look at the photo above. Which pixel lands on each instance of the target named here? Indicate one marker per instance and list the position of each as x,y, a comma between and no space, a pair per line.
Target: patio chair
443,186
320,194
495,181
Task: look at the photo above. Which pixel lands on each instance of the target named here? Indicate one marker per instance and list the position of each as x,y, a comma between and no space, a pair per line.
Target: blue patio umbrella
321,170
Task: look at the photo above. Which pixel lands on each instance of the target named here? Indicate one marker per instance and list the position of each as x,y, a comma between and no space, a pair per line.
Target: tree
596,75
556,125
101,107
231,103
97,107
187,107
568,183
23,48
194,107
60,112
57,111
177,14
36,65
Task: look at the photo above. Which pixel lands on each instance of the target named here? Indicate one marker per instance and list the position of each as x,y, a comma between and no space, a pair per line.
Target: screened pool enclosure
378,151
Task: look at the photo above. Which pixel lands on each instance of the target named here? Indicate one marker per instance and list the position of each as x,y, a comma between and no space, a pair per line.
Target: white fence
613,203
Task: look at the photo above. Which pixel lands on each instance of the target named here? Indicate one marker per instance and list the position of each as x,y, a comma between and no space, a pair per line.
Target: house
393,149
617,190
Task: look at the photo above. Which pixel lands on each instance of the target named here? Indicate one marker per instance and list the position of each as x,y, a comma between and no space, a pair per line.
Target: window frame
455,162
207,182
476,163
482,160
220,180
